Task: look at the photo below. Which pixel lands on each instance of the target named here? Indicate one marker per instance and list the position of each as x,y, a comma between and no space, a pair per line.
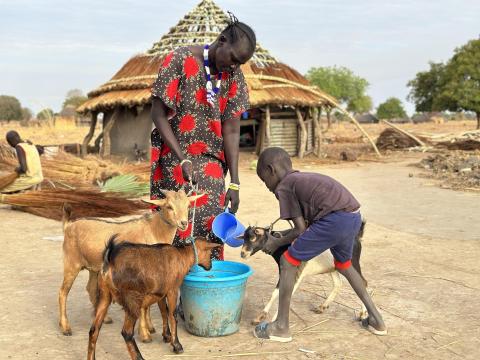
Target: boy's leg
374,318
279,329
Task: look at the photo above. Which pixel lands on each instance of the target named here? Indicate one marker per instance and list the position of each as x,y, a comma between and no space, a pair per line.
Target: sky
50,47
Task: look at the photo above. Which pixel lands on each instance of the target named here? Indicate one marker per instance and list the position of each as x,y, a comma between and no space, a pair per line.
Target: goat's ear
195,197
260,231
158,202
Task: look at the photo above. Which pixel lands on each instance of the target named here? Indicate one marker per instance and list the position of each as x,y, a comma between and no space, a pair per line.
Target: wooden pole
267,126
317,131
106,148
357,124
303,134
89,136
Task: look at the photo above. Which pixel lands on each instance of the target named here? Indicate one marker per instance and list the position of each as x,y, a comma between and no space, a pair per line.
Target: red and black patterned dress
197,126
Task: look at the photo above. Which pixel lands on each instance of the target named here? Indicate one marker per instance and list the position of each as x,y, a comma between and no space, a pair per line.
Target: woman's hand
187,172
232,197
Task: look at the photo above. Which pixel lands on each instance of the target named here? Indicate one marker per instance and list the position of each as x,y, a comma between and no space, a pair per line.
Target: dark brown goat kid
125,280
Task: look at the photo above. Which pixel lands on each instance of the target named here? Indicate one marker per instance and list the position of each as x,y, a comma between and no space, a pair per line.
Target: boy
333,218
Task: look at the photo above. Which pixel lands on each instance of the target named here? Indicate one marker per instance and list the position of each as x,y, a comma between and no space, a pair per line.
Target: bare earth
421,251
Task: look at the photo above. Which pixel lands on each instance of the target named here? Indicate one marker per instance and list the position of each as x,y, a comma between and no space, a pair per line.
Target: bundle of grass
86,203
7,179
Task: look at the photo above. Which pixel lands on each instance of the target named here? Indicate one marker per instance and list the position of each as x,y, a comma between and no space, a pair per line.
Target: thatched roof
269,81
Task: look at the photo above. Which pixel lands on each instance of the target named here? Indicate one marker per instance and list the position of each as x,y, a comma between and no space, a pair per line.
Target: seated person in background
333,220
29,169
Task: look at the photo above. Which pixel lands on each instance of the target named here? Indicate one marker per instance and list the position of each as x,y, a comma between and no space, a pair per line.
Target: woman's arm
160,119
22,169
231,139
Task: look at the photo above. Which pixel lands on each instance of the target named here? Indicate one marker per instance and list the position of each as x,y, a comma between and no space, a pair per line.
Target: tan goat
85,240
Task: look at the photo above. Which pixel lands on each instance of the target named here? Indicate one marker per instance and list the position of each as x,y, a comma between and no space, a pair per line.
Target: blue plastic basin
213,300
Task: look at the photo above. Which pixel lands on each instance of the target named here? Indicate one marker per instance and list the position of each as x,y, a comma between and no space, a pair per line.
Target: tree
10,108
454,86
461,90
361,104
45,114
74,99
342,84
390,109
27,114
426,87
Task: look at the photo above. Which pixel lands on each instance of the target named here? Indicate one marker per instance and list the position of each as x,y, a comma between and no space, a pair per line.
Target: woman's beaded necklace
211,91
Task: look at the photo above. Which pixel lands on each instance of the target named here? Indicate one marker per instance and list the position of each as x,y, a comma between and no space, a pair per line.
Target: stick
419,142
311,326
435,278
230,355
447,345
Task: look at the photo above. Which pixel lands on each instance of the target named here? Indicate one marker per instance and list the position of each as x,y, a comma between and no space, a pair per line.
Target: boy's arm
273,243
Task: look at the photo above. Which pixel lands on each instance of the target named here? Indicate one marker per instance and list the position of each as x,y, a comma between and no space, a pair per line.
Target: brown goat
136,276
85,239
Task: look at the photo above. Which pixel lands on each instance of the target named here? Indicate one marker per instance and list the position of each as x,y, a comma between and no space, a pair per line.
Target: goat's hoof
362,315
67,332
146,340
177,348
152,330
167,339
107,320
261,317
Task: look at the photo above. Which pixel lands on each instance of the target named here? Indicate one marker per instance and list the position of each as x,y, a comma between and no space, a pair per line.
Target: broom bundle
7,179
85,203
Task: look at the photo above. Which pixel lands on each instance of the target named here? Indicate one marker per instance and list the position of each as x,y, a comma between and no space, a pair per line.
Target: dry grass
85,203
63,132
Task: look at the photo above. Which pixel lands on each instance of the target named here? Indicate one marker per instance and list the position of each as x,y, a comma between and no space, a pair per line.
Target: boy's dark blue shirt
312,196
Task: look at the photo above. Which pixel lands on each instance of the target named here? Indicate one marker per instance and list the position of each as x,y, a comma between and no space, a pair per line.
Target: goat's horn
240,237
163,192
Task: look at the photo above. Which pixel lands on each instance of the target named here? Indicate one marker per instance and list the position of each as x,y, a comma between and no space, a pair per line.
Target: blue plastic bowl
213,300
226,227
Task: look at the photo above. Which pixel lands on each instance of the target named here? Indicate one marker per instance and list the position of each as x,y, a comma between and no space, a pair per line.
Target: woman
197,100
30,168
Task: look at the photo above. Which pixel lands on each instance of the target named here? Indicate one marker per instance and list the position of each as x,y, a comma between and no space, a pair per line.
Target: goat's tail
67,214
107,253
362,229
357,250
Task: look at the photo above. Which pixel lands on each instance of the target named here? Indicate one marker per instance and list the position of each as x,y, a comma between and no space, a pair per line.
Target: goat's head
254,239
204,251
174,207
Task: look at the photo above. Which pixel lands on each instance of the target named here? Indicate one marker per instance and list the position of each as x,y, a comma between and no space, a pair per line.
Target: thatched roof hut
284,107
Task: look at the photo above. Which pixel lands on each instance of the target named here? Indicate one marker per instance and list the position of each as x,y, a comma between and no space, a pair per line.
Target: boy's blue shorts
336,231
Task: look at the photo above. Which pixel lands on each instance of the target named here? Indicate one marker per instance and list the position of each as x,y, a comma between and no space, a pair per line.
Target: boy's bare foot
374,326
272,331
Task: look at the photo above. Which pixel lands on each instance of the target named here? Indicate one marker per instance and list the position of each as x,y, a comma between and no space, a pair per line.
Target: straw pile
49,203
74,172
6,180
391,139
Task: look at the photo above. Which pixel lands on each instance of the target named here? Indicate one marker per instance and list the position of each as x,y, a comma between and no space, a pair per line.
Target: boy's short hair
274,155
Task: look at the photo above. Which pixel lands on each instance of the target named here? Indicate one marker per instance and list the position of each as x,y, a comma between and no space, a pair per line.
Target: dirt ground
421,250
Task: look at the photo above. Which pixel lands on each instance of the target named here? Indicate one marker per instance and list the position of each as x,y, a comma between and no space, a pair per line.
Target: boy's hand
272,244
